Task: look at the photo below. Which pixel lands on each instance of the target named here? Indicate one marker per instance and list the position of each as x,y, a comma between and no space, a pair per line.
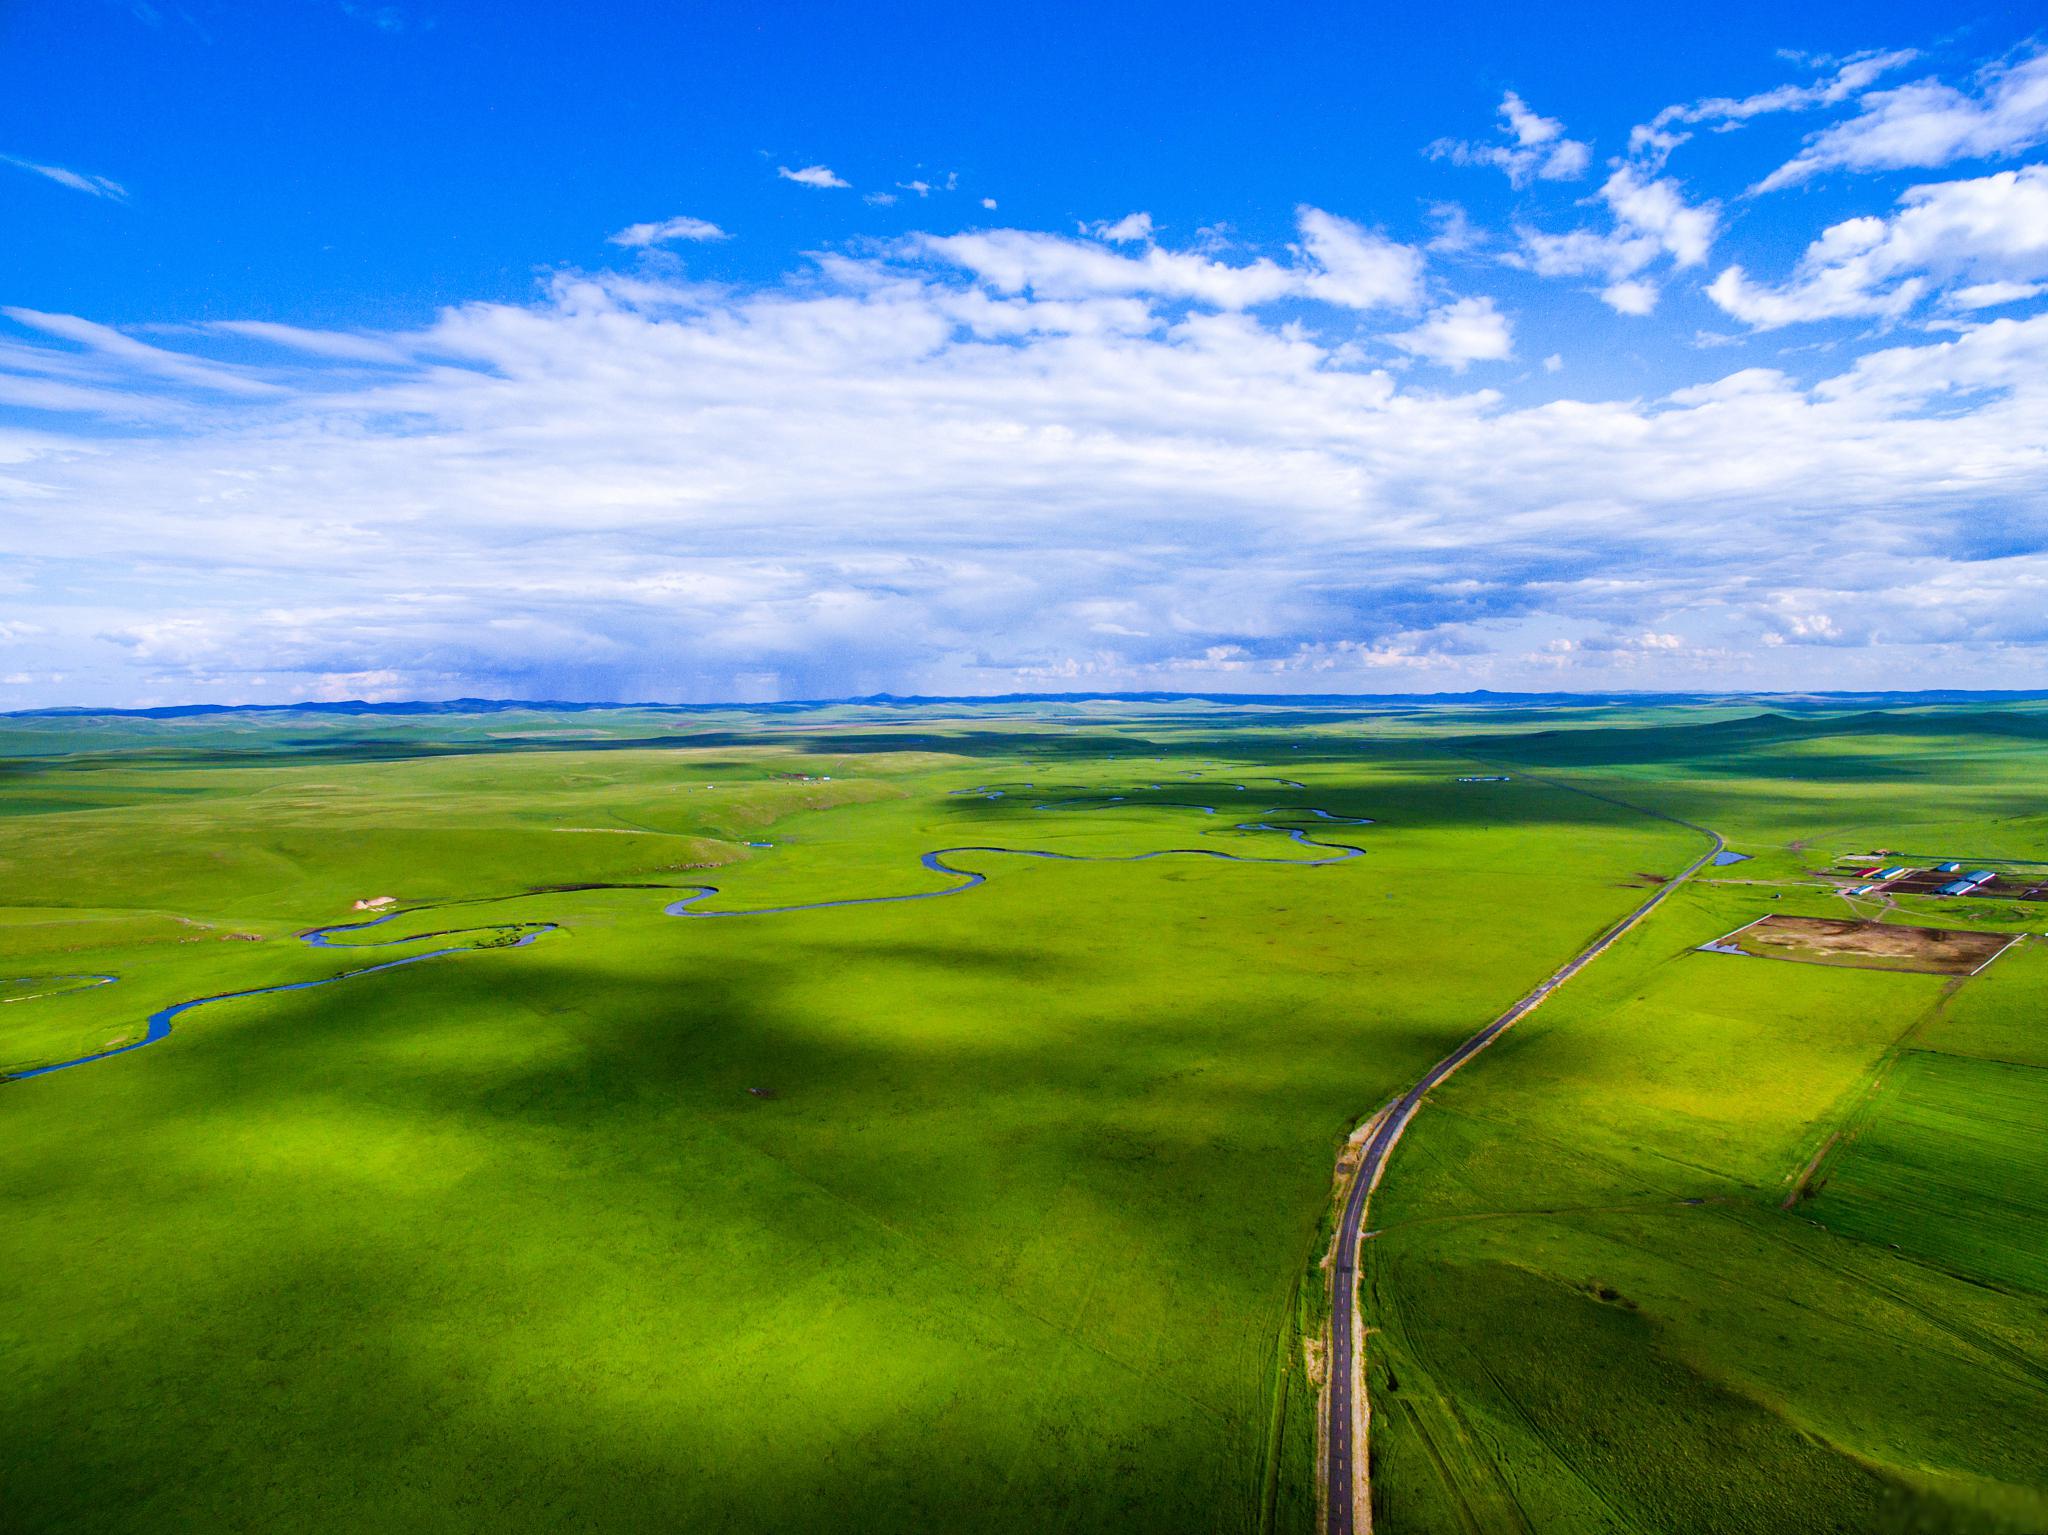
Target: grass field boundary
1849,1111
1719,946
2016,937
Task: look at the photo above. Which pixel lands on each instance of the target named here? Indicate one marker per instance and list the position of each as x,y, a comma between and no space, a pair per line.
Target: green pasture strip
2000,1015
1948,1165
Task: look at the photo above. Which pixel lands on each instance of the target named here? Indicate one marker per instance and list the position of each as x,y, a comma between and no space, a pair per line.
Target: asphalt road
1344,1289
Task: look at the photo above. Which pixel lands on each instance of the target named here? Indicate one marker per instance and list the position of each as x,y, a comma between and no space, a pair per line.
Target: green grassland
504,1237
1021,1228
1599,1312
1948,1165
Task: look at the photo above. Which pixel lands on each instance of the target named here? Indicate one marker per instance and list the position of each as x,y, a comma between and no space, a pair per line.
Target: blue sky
693,352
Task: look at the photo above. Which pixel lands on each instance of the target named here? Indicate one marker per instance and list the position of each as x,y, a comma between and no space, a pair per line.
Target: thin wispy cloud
667,230
1339,262
1927,123
1653,142
77,181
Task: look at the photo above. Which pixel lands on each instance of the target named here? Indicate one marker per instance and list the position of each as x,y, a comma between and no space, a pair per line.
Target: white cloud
1342,263
680,228
1928,123
1990,231
1133,228
1651,220
1990,295
78,181
1554,363
1361,269
345,345
1651,142
888,473
1658,208
1052,266
126,350
1455,233
1460,333
880,199
1537,148
989,203
811,176
1630,296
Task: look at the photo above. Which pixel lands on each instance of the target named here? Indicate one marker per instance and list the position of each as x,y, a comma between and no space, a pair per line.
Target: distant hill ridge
1481,698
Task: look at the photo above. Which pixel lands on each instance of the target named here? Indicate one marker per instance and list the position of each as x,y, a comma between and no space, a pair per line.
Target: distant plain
1007,1207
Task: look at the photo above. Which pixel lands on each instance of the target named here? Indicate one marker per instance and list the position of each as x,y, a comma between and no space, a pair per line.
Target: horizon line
471,704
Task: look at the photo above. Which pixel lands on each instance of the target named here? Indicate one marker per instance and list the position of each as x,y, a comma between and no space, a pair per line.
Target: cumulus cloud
1928,123
1134,228
661,233
889,472
78,181
1988,236
1460,333
1630,296
1535,147
819,176
1360,268
1650,220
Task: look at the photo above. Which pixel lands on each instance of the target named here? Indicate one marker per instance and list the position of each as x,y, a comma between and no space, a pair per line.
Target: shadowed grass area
1013,1234
1020,1229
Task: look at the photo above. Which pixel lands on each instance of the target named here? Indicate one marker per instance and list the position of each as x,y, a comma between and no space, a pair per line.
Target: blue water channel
159,1023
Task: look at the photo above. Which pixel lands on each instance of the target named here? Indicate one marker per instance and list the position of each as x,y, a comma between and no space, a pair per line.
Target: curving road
1340,1434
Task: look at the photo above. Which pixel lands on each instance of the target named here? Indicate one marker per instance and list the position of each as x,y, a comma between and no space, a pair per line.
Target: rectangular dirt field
1865,945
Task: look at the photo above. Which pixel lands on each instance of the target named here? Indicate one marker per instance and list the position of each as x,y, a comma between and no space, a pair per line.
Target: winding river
517,935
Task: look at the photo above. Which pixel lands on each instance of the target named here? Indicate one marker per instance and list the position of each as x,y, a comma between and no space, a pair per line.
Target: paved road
1377,1148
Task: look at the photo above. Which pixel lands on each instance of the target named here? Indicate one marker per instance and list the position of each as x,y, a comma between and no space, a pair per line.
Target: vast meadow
1734,1243
727,1123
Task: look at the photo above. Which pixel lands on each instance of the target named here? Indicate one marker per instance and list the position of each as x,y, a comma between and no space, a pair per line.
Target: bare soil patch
1865,945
